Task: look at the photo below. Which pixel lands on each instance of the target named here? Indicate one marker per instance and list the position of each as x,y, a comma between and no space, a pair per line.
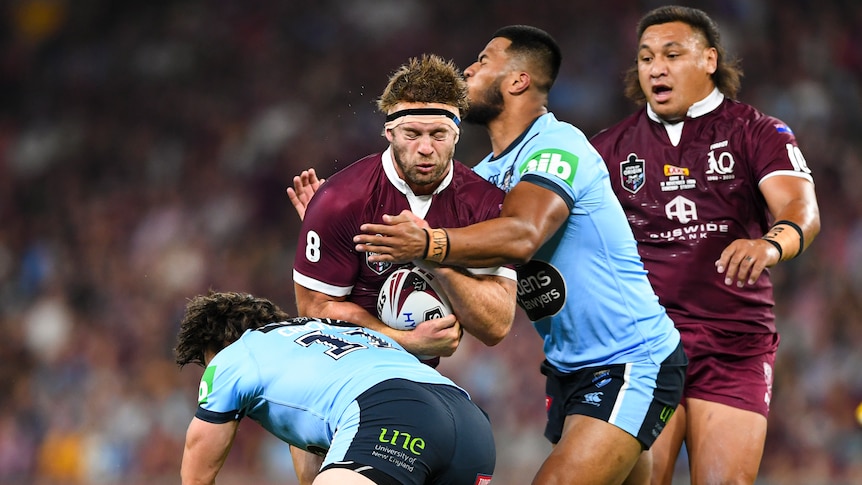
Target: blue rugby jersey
297,378
586,289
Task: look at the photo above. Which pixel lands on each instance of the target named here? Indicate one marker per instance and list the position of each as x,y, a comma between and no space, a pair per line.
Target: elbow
489,335
493,339
522,251
495,334
815,227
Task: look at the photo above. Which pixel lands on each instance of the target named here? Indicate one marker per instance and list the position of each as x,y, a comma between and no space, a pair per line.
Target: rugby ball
409,296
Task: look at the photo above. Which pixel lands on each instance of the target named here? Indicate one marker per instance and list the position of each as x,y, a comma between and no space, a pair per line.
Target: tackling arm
530,216
207,446
438,337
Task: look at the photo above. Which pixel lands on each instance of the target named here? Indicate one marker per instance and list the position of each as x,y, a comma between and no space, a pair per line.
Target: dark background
145,147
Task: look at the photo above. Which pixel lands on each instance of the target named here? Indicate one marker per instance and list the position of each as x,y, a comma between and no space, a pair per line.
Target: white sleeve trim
790,173
496,271
319,286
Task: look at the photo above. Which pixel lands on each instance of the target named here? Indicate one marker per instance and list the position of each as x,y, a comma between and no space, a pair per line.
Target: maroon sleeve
325,255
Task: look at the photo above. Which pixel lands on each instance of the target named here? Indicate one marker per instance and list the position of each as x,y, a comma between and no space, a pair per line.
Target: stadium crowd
145,148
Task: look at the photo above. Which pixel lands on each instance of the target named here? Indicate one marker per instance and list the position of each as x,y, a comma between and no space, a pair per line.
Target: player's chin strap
424,115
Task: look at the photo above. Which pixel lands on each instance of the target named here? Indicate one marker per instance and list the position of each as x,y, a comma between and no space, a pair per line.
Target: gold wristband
782,238
437,247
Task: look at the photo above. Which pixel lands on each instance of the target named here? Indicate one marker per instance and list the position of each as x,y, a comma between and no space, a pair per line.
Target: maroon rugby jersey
361,193
686,203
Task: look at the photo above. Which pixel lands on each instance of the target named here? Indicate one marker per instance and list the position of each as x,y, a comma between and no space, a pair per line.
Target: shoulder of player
353,182
756,123
368,165
464,176
559,137
614,131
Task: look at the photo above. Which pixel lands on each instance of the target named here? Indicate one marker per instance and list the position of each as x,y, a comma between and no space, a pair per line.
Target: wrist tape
436,245
780,237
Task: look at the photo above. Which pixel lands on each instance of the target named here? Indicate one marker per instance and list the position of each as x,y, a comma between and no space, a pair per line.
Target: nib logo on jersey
685,211
559,163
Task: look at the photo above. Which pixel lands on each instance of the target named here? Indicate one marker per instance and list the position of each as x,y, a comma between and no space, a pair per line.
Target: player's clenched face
483,82
423,153
675,68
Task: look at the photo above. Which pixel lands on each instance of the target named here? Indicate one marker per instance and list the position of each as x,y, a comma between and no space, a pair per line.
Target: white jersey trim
501,271
319,286
700,108
789,173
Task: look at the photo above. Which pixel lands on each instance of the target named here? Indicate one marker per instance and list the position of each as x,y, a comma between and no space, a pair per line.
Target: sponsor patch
602,378
483,479
671,170
206,385
559,163
541,290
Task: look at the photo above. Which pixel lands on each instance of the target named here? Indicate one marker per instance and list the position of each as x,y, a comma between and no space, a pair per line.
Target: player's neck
511,123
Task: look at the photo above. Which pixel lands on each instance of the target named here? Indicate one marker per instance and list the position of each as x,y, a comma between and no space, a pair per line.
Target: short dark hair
426,79
538,47
216,320
728,73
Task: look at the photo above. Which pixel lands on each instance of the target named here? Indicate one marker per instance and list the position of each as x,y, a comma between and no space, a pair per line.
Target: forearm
495,242
793,230
311,303
484,305
793,206
341,310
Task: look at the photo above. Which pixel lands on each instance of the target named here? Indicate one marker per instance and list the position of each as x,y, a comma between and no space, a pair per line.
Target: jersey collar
700,108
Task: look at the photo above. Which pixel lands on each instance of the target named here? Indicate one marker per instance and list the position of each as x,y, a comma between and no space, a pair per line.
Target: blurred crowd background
145,148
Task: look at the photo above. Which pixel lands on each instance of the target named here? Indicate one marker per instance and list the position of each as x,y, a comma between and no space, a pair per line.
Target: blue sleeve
227,386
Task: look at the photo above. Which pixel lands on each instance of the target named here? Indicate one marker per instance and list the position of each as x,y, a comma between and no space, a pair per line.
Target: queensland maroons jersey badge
632,174
378,268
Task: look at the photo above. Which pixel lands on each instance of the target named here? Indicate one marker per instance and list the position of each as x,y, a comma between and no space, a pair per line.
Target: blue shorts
405,432
638,398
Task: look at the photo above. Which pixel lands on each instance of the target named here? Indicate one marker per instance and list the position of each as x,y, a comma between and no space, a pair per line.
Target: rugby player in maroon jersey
423,103
716,193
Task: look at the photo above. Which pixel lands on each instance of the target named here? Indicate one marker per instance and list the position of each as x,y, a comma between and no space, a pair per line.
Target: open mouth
661,93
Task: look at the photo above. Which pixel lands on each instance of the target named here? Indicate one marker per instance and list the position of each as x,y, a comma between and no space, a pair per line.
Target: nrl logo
632,175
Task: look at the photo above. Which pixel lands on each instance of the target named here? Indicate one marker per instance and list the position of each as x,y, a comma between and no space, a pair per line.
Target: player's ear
388,134
519,82
710,57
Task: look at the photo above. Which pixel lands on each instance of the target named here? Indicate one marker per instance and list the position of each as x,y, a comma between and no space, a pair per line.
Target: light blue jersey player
585,289
331,388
